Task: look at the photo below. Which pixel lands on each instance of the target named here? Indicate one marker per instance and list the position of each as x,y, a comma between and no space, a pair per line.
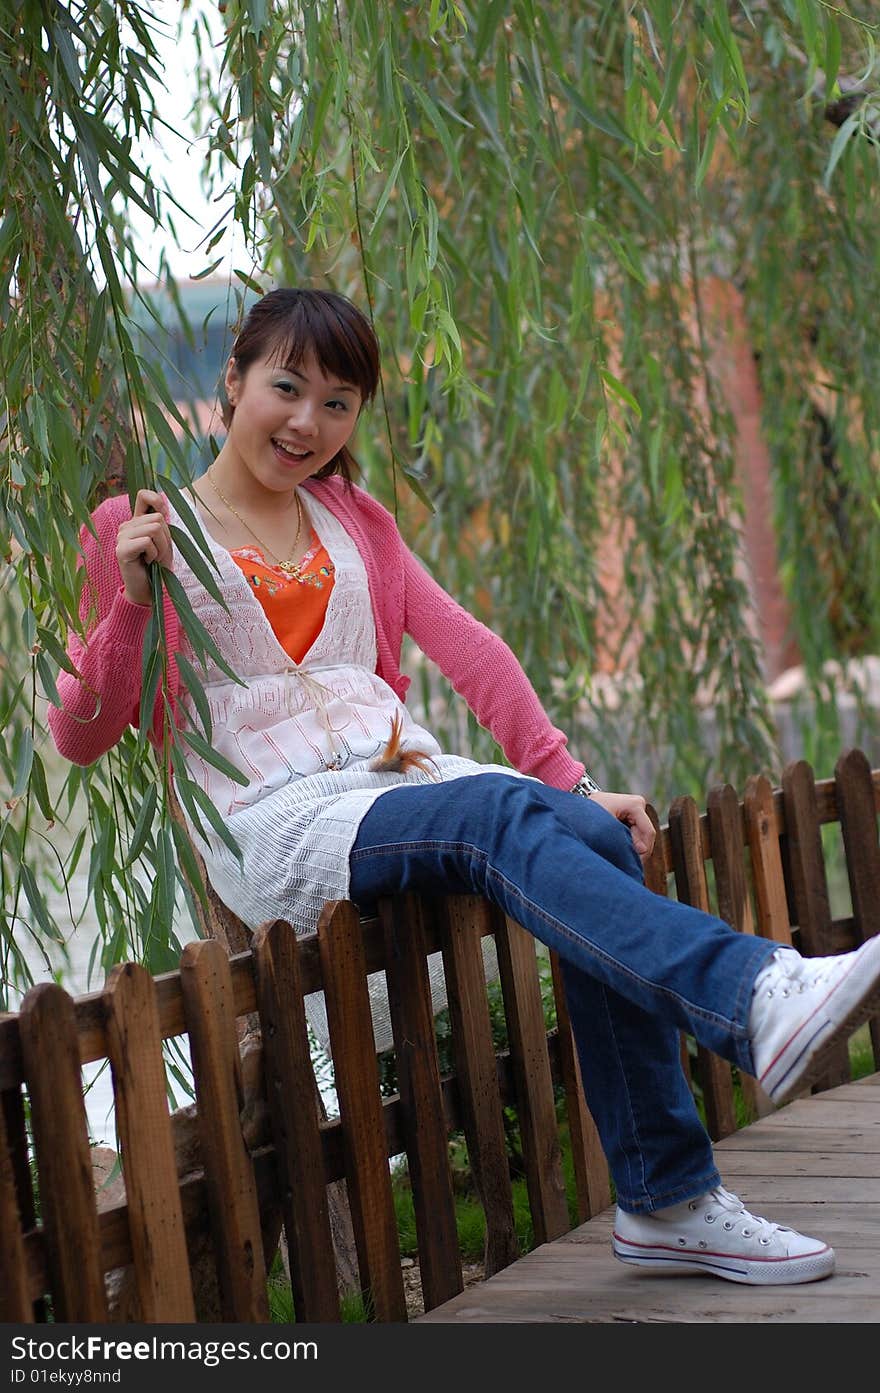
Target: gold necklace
289,567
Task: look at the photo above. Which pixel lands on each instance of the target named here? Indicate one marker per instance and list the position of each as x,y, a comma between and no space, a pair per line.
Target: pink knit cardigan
98,704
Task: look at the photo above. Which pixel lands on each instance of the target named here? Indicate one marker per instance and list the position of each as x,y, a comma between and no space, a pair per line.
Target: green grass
353,1308
470,1220
861,1053
280,1295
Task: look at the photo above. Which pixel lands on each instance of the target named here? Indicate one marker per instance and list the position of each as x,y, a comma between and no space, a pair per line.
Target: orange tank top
295,604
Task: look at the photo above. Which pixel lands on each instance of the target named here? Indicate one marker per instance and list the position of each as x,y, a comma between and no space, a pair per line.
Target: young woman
349,797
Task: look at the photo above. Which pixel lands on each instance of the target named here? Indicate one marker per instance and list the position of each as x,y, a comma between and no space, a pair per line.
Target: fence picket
534,1088
134,1048
295,1126
656,866
15,1301
725,820
728,858
461,919
768,877
232,1194
357,1086
858,824
686,846
64,1164
809,884
15,1127
418,1082
591,1175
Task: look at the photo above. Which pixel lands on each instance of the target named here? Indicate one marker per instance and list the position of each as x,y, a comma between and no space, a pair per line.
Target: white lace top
305,735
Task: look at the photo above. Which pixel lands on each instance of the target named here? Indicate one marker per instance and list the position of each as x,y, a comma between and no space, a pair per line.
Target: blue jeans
637,967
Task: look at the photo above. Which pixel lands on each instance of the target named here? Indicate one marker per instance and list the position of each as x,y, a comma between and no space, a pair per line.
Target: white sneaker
803,1007
717,1235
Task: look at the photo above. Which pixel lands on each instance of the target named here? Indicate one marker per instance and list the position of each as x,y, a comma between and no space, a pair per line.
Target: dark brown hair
291,324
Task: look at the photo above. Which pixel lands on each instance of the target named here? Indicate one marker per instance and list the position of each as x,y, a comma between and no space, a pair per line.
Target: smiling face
288,422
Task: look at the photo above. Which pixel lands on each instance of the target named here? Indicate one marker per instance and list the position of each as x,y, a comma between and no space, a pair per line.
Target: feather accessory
394,759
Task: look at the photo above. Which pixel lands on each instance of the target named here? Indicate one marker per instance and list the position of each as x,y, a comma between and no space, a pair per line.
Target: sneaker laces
728,1203
802,973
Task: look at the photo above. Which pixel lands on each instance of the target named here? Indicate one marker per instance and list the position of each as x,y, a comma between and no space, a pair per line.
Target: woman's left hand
630,808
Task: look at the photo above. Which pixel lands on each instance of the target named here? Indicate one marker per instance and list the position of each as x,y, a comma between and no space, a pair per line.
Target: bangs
320,328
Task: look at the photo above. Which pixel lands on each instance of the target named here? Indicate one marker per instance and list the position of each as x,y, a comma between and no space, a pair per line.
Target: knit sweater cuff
559,770
126,621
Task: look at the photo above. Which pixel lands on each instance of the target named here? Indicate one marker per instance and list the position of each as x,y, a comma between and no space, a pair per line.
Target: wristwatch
586,786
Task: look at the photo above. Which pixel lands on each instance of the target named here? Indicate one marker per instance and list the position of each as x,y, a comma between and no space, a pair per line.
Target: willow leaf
37,902
389,188
195,632
489,15
603,121
197,564
186,511
832,54
75,853
50,642
213,757
193,794
142,827
621,391
438,127
163,886
250,282
189,865
159,425
839,145
152,675
193,684
809,24
40,788
23,763
672,84
209,270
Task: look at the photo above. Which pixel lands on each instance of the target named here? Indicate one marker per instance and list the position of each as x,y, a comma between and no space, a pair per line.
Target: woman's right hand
143,539
630,809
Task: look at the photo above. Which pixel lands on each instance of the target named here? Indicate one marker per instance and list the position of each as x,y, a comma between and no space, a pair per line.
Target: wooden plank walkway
814,1165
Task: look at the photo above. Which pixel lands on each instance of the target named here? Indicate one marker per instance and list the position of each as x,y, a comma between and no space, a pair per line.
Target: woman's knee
592,824
515,802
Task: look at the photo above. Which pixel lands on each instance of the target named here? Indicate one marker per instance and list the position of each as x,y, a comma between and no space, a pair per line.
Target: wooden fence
761,862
